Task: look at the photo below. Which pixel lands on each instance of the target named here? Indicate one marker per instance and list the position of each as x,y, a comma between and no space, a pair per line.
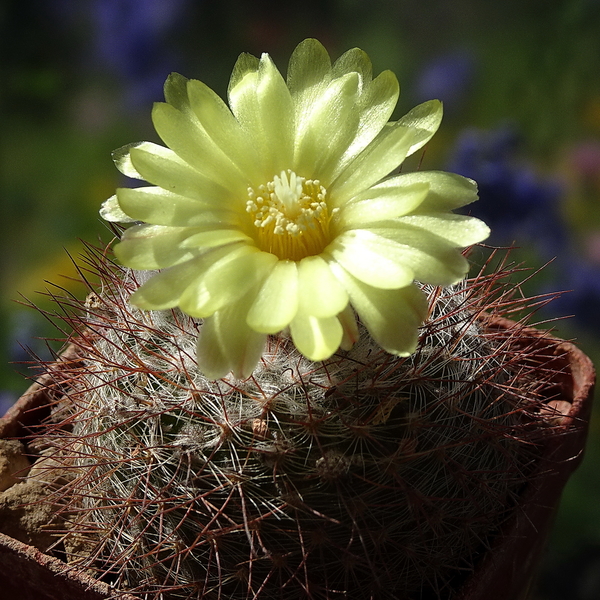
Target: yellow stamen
290,216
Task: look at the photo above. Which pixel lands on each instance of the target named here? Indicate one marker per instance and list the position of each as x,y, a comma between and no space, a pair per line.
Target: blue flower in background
524,209
131,42
448,78
519,205
582,280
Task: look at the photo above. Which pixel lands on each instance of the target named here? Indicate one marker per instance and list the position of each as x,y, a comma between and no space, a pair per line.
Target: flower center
290,216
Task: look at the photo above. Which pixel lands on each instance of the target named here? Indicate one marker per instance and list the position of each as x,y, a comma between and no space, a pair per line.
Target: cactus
366,476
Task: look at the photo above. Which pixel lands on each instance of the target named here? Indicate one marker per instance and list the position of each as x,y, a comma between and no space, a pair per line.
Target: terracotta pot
509,568
504,573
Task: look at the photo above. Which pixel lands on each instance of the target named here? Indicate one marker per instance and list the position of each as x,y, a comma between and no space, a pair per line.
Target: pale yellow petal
312,79
393,317
387,151
175,90
276,112
160,166
111,211
383,204
223,128
459,230
246,63
262,104
373,259
326,128
350,328
423,121
378,159
226,343
376,103
122,159
309,71
276,303
226,280
211,238
163,289
447,191
433,259
160,207
320,294
182,133
315,338
153,246
354,60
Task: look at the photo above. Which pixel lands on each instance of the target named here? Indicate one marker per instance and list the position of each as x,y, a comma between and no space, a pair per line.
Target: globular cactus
366,476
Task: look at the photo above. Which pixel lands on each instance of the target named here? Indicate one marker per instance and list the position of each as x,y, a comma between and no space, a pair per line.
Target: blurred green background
520,81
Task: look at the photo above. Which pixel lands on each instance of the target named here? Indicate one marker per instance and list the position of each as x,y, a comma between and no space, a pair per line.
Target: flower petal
226,280
122,159
245,64
354,60
175,90
316,338
423,121
393,144
277,115
160,166
447,191
371,258
433,259
320,294
309,72
376,98
182,133
226,343
327,128
223,128
160,207
163,290
381,205
460,230
153,246
382,155
376,103
348,322
393,317
219,237
112,211
276,303
261,102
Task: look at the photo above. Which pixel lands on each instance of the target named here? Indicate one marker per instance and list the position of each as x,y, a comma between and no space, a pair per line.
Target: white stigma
288,190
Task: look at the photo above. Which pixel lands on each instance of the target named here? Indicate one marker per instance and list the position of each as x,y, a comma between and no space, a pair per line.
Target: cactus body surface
366,476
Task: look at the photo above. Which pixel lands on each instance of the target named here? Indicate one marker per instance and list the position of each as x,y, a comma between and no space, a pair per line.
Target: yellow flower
278,211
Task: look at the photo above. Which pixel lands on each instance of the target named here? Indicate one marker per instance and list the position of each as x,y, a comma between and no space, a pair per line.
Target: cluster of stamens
290,215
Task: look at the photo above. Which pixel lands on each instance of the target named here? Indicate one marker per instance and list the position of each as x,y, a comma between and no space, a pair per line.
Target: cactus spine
366,476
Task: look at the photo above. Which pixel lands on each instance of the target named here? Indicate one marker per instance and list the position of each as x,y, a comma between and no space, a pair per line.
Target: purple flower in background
523,208
130,40
134,41
448,78
582,282
520,206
